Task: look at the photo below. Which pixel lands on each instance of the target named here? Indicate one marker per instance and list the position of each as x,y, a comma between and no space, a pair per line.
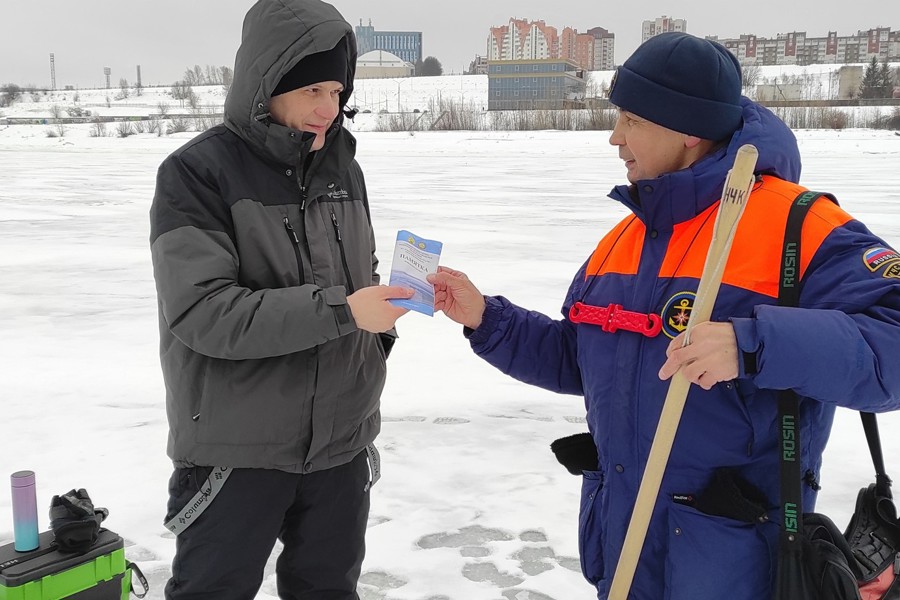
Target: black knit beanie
331,65
683,83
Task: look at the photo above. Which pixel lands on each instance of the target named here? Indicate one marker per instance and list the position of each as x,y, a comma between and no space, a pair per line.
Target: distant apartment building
521,39
795,48
407,45
550,83
604,49
663,24
479,66
577,47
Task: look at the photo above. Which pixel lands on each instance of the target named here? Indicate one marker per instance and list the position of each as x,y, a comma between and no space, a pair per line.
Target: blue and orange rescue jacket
838,348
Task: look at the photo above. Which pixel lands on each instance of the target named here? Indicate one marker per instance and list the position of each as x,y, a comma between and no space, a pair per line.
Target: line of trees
878,81
208,75
430,67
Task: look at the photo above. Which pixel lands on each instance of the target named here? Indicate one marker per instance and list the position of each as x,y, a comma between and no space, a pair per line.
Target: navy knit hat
682,82
330,65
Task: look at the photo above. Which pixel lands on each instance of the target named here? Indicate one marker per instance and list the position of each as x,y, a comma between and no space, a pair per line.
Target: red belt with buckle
613,318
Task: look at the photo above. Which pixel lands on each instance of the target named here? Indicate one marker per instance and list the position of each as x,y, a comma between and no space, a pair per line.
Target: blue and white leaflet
414,259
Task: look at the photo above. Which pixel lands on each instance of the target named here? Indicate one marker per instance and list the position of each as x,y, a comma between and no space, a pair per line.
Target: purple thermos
24,505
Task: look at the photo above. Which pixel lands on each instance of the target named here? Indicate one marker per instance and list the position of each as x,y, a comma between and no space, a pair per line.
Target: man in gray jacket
273,328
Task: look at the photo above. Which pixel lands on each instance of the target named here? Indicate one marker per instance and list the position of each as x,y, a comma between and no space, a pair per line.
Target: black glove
74,521
576,453
730,495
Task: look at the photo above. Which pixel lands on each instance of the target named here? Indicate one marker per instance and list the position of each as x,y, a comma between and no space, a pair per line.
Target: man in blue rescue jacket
681,120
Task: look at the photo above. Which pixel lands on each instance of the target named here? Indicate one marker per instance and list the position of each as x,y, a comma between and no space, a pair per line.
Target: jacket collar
676,197
673,198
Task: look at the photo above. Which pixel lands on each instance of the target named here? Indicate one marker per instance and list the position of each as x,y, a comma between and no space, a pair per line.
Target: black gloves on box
74,521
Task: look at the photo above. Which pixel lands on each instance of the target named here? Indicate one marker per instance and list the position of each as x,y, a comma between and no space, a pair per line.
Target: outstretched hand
711,357
457,297
371,309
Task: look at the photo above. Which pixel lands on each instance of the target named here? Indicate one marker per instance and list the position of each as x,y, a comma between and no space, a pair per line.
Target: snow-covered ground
472,505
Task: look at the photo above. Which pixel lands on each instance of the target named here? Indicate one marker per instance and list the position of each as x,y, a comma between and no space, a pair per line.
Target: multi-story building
535,84
604,49
577,47
795,48
894,44
521,39
479,66
661,25
404,44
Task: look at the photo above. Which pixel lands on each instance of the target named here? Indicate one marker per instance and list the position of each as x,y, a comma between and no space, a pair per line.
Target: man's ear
691,141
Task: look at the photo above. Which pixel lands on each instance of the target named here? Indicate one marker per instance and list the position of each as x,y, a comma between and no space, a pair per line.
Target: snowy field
472,505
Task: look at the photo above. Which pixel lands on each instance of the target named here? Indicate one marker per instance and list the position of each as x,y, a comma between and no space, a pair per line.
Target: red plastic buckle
613,318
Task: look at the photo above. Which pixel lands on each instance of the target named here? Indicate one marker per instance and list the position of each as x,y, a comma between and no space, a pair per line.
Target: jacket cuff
336,298
489,320
749,347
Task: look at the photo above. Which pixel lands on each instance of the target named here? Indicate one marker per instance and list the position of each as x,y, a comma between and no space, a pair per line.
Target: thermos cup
24,505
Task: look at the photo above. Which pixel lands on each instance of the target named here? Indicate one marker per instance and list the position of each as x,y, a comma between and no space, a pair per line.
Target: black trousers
319,517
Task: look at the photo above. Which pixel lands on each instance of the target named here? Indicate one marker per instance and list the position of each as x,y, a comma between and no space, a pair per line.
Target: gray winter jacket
254,255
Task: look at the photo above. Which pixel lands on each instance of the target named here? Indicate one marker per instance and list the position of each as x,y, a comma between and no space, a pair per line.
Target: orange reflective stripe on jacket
754,262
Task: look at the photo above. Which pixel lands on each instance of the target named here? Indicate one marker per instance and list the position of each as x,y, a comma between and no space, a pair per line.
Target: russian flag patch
875,258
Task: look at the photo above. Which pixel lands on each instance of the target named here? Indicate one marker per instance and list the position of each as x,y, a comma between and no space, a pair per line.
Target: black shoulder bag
815,560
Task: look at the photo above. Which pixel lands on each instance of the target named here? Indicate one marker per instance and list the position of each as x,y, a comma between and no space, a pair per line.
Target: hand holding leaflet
414,259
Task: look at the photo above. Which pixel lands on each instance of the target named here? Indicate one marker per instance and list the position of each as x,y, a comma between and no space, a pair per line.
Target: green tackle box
48,574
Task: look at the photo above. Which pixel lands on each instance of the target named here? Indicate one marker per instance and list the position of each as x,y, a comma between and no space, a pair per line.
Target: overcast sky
166,36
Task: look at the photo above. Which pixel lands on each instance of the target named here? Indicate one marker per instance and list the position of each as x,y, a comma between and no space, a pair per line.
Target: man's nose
616,138
328,108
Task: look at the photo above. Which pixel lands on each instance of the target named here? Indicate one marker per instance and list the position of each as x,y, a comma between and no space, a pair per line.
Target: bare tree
193,100
98,128
182,90
193,76
749,78
213,75
124,129
227,76
9,93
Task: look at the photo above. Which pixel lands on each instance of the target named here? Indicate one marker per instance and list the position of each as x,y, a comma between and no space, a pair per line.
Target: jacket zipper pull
302,198
290,230
337,227
337,232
